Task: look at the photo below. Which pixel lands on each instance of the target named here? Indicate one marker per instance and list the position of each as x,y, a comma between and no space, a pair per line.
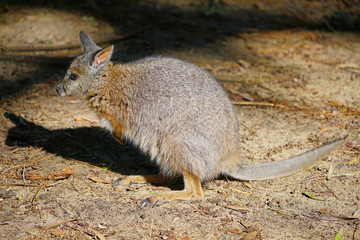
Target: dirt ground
292,69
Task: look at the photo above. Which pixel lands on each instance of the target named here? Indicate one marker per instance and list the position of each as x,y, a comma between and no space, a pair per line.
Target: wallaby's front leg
192,189
118,139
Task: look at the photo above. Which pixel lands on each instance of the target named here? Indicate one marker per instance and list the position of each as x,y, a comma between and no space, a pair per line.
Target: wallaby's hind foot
191,190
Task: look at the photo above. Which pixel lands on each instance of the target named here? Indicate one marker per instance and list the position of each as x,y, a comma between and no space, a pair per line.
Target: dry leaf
323,210
78,120
322,130
244,63
246,184
312,46
230,230
251,235
101,226
353,161
57,233
65,173
331,172
233,231
100,180
347,65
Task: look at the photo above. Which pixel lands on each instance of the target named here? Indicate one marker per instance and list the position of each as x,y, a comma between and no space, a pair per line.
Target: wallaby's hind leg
192,189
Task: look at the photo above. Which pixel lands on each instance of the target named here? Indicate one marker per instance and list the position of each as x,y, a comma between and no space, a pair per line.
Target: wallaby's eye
73,76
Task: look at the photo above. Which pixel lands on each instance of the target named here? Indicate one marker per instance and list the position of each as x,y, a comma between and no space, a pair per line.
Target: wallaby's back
178,113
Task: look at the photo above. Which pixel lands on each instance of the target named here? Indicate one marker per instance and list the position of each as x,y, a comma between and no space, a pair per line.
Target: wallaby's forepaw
116,182
148,201
124,180
160,198
141,179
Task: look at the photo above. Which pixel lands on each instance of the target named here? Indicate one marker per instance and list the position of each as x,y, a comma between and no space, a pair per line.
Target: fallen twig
37,192
245,103
63,174
60,223
21,185
331,191
55,225
238,208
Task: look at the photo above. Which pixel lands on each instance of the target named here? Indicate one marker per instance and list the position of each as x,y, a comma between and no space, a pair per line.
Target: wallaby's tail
263,171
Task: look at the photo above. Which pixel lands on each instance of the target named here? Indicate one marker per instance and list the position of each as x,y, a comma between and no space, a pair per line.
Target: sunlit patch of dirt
293,89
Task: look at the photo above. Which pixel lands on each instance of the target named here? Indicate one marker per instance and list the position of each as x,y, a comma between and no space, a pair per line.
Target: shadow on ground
88,144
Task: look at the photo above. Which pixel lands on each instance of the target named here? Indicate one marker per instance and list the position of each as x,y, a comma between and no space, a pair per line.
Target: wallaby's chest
106,124
114,127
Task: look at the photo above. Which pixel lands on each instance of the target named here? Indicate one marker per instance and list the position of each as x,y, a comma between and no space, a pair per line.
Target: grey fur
176,112
284,167
88,45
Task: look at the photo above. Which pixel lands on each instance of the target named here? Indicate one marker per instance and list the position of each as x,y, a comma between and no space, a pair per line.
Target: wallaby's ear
102,57
88,45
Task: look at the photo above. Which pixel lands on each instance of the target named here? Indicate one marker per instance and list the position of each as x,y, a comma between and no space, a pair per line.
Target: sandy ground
300,79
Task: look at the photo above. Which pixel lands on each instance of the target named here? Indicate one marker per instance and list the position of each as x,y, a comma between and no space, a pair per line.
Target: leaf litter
292,85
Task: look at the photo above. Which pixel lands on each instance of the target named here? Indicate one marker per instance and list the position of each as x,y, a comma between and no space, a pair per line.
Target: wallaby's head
84,68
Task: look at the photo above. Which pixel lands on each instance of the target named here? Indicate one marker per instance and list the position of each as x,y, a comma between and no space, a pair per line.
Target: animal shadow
88,144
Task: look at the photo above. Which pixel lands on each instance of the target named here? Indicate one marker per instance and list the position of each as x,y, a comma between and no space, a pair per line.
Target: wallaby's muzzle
60,90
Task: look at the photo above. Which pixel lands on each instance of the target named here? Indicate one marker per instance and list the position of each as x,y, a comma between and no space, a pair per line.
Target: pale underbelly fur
106,124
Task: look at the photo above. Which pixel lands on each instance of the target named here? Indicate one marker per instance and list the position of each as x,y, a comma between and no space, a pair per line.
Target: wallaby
174,111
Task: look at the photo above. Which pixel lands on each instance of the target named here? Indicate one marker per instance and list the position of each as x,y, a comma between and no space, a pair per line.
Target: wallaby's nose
60,90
